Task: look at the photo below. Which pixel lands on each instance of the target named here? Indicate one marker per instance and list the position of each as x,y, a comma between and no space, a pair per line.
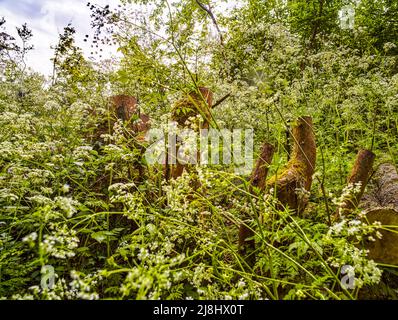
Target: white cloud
47,18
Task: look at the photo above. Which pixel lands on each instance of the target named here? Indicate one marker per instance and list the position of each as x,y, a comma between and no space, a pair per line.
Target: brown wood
359,174
121,107
299,170
195,103
258,180
383,188
124,107
380,203
384,250
259,175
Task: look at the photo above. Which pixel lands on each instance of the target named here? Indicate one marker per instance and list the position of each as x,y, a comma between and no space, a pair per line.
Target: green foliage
378,21
78,195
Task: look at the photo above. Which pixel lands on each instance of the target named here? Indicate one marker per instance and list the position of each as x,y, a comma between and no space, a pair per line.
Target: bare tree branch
213,18
221,100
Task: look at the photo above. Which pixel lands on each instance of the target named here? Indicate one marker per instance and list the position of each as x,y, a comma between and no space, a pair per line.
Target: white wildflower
65,188
30,237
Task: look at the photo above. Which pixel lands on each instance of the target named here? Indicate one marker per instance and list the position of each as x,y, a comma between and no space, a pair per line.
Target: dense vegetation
112,226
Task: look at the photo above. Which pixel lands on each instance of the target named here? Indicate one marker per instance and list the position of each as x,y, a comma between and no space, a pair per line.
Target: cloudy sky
47,18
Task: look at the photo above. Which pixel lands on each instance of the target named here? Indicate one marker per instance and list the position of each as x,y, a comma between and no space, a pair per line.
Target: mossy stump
359,174
296,177
380,203
124,107
383,188
196,103
384,250
258,178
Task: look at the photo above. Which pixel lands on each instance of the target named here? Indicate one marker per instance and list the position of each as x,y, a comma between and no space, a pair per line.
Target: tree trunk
383,188
384,250
359,174
194,104
294,182
258,180
125,108
381,204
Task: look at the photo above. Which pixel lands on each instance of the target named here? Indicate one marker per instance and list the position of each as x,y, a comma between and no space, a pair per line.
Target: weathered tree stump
380,203
135,125
295,180
384,250
359,174
194,104
259,176
383,188
125,108
257,180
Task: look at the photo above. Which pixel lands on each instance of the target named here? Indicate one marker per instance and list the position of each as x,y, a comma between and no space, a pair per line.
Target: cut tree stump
121,107
383,188
380,203
257,180
259,175
296,178
359,174
196,103
384,250
125,108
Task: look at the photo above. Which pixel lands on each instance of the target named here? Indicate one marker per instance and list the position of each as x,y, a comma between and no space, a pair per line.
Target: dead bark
135,126
124,107
383,188
257,180
384,250
259,175
292,184
194,104
380,203
359,175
